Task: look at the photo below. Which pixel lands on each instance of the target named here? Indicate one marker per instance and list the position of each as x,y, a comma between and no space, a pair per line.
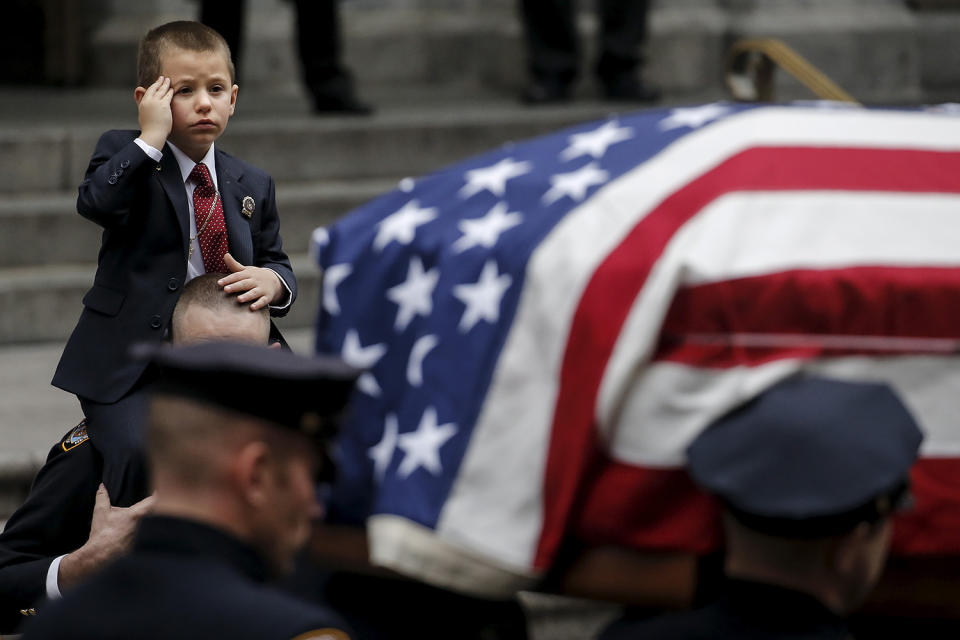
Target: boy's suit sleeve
268,250
113,179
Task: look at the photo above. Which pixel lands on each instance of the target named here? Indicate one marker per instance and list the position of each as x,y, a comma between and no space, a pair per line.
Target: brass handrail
752,61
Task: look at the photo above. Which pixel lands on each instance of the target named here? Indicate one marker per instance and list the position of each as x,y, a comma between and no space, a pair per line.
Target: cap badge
249,205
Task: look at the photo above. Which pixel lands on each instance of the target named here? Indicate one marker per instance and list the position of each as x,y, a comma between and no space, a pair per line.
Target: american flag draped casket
547,326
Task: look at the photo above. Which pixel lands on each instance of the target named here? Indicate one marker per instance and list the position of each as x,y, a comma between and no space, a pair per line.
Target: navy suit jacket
142,266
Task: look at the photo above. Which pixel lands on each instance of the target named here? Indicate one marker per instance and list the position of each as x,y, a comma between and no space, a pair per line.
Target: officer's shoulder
696,624
74,438
288,615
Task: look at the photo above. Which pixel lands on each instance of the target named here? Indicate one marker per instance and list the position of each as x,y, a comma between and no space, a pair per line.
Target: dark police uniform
747,610
54,520
184,579
811,457
188,579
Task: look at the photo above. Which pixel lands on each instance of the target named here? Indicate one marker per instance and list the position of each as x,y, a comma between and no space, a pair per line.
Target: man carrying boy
235,496
67,528
172,207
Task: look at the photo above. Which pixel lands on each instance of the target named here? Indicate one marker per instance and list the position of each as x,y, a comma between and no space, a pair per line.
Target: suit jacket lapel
172,182
229,175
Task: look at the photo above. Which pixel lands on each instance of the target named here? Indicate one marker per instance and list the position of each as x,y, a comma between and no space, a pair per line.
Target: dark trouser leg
117,432
318,41
623,25
550,32
226,18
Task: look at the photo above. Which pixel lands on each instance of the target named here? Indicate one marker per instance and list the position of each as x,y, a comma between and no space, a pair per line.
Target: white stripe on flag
670,403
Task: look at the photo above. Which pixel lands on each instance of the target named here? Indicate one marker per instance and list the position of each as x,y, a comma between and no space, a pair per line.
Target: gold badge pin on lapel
248,206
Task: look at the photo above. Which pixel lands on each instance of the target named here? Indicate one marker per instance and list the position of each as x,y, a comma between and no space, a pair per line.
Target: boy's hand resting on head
155,116
260,285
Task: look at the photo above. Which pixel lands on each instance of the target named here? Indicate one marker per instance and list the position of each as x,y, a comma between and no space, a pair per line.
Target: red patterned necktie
208,215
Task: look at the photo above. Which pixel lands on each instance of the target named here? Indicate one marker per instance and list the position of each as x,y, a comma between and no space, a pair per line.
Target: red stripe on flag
661,509
647,508
617,281
932,526
809,313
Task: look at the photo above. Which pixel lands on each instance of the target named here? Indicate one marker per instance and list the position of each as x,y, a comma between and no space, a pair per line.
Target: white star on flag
402,225
482,298
414,294
485,231
575,183
364,358
332,278
422,447
493,178
693,117
382,452
596,142
423,346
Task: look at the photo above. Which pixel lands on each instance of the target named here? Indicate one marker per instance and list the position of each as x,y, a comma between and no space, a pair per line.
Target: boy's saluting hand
153,105
259,284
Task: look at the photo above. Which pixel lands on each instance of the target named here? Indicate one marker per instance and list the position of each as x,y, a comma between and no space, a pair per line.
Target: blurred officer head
809,473
235,438
205,312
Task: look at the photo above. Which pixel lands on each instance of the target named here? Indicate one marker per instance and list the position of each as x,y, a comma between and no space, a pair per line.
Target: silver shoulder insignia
76,437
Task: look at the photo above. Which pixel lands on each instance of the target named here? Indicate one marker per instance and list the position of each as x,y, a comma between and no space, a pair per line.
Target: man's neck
213,511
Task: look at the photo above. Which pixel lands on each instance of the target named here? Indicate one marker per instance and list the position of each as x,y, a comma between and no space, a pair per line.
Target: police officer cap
275,385
809,457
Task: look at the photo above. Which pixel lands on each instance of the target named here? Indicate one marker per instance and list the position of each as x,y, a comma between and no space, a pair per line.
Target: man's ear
138,94
233,98
253,473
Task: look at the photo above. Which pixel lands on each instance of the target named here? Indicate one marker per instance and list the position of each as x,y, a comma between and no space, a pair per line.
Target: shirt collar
186,164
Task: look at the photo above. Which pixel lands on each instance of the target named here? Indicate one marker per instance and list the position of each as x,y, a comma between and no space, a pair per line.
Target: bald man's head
205,312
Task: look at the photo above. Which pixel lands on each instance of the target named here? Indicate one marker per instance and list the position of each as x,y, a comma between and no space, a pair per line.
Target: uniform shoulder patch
322,634
76,437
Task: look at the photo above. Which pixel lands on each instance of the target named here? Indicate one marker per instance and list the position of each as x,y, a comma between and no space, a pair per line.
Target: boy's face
203,98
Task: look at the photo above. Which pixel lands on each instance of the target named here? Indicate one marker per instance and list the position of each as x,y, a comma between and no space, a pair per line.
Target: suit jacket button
156,322
124,164
173,284
112,180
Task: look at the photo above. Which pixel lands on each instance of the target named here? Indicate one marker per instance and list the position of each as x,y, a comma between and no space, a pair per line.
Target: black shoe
540,92
340,104
630,89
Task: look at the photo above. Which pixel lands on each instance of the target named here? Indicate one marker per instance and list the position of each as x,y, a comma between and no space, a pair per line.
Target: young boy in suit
172,207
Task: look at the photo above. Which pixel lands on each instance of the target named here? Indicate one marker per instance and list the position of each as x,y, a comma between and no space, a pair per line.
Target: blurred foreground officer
235,436
809,474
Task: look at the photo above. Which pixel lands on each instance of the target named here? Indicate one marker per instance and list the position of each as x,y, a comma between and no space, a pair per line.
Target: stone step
294,147
43,303
872,48
47,230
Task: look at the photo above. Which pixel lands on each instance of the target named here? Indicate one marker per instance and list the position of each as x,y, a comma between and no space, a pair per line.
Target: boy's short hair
183,34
